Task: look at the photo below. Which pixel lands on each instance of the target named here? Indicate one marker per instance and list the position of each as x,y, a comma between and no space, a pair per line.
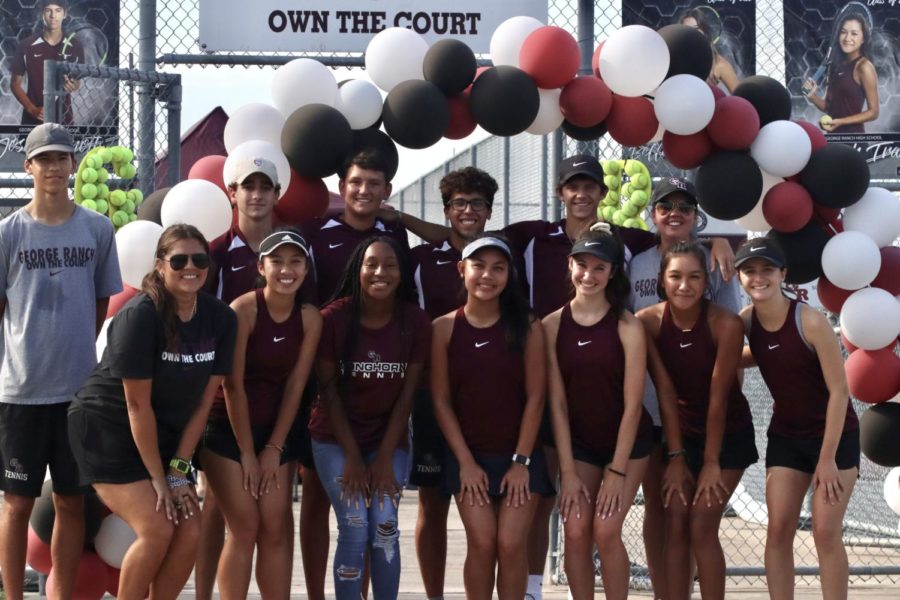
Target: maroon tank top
272,351
846,97
690,356
487,386
592,364
794,377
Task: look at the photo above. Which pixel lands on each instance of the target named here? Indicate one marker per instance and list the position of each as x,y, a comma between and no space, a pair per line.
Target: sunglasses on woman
180,261
664,207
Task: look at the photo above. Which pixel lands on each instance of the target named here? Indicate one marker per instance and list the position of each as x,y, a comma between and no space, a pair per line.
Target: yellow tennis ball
102,206
132,217
607,213
618,217
631,223
89,191
117,154
640,181
136,196
89,204
825,120
119,218
117,198
105,155
626,190
612,182
630,210
103,191
613,167
89,175
127,154
126,171
102,174
639,198
632,168
128,206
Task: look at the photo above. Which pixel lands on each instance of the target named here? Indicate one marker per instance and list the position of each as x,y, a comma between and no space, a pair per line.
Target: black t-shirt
136,349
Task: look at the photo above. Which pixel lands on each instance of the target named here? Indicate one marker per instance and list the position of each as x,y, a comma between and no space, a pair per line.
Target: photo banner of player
730,25
77,31
843,71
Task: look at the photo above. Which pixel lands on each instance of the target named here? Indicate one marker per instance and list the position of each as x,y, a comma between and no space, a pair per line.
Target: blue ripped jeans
360,528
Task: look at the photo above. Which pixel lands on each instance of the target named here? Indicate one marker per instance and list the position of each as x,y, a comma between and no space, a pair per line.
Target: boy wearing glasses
58,268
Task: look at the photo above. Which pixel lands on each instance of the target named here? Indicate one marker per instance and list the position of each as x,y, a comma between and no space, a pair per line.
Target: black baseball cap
580,164
672,185
761,247
275,240
604,247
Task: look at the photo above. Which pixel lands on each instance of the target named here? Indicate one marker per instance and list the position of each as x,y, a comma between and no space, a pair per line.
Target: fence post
173,105
146,153
51,91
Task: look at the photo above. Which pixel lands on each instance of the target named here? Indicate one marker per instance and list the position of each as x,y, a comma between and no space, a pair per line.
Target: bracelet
276,446
675,453
615,472
173,482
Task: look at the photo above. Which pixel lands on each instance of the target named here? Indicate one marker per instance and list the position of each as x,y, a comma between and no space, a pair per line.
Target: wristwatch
180,465
521,459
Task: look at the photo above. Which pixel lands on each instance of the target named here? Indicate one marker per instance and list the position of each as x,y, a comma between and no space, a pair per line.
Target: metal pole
51,91
556,155
146,105
586,45
174,133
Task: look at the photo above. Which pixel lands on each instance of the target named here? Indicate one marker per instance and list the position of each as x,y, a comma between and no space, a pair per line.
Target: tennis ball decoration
628,183
825,121
91,188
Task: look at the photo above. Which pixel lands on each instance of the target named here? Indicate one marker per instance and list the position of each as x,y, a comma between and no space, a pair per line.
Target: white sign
348,25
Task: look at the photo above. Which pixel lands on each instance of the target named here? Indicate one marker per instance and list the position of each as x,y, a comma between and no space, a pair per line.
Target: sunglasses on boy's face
664,207
180,261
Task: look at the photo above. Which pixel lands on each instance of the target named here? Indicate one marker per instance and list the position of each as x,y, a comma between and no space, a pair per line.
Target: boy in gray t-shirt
58,268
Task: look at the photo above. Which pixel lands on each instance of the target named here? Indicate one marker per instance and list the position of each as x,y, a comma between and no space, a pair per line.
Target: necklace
193,311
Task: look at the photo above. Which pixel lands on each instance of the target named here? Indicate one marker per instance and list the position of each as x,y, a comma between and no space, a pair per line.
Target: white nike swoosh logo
686,345
480,344
756,249
238,268
579,164
444,262
580,343
277,339
773,347
333,246
592,243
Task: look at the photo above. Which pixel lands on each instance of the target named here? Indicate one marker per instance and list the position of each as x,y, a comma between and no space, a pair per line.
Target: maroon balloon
37,553
831,296
90,579
686,151
306,197
734,124
847,344
826,214
787,207
585,101
117,301
815,134
888,277
210,168
595,60
462,123
550,56
873,375
718,94
631,121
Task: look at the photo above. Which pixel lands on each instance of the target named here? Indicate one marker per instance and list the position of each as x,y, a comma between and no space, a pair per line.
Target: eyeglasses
664,207
477,204
180,261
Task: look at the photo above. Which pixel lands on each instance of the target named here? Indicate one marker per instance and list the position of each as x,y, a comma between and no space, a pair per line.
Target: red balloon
37,554
848,345
462,123
550,56
873,375
595,60
787,207
815,134
831,296
112,580
631,121
734,124
478,73
718,94
210,168
585,101
118,301
90,581
305,198
888,277
686,151
825,213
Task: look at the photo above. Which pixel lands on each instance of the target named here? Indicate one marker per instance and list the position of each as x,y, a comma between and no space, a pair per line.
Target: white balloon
113,540
300,82
360,102
507,40
684,104
101,346
892,489
254,121
851,260
755,220
136,247
549,115
877,214
870,318
634,61
258,149
782,148
199,203
395,55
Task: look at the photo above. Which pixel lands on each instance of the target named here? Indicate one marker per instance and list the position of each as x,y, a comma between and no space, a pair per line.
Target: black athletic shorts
218,437
33,437
802,454
495,467
428,445
738,450
601,458
300,430
545,433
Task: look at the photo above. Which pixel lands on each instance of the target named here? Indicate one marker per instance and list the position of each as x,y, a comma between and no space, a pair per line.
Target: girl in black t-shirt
135,423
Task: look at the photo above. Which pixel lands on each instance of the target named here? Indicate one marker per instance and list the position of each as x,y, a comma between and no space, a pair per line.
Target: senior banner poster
78,31
842,67
730,26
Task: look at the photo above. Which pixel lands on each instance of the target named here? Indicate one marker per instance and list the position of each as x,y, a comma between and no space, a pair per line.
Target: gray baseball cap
49,137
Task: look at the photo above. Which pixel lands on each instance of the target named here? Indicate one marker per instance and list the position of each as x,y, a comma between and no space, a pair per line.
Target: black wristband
615,472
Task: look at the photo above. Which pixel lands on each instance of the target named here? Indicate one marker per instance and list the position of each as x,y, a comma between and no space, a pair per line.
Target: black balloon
504,100
450,65
689,51
768,96
316,139
729,185
584,134
151,207
416,114
836,176
44,513
379,143
878,429
803,251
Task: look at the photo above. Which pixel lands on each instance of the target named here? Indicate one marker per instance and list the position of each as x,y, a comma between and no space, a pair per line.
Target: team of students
533,371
